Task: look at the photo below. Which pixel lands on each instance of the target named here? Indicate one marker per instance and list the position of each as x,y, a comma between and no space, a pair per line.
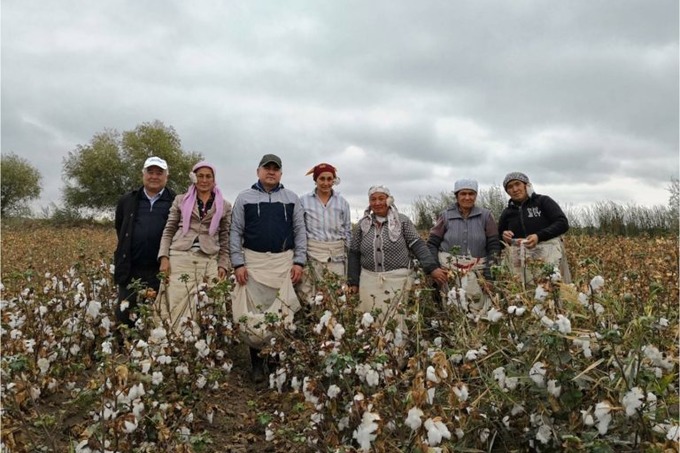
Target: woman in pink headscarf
195,242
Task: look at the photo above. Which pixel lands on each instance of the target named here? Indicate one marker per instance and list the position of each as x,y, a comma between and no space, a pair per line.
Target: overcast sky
580,95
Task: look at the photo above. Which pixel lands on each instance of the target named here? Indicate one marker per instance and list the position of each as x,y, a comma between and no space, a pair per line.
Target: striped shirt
331,222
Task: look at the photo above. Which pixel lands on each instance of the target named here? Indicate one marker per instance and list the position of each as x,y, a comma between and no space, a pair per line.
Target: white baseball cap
155,162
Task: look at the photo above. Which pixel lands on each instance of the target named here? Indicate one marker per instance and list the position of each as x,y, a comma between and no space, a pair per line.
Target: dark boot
257,366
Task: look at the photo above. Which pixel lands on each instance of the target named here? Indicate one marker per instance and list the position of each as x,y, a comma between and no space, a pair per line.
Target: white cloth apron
177,300
322,255
468,268
385,290
551,251
268,290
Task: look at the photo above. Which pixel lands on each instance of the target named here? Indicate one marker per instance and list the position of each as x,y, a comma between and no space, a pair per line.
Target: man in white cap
140,218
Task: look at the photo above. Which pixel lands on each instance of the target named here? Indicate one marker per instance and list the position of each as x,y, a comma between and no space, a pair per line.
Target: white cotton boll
563,324
156,378
632,401
543,434
673,433
652,353
280,378
109,413
602,408
318,299
538,311
583,299
365,432
338,331
295,384
372,378
367,320
333,391
182,369
461,392
136,391
432,375
663,322
145,366
587,418
556,276
540,293
430,395
202,348
44,365
494,315
547,322
137,409
164,360
651,400
553,388
511,383
413,419
598,308
93,309
603,424
74,349
201,381
316,418
437,342
511,309
436,431
597,283
456,359
537,373
35,392
158,335
130,426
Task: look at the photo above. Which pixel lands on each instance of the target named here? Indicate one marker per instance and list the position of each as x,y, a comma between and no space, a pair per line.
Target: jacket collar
258,186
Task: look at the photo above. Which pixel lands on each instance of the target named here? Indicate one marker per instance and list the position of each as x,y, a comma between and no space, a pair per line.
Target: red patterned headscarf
321,168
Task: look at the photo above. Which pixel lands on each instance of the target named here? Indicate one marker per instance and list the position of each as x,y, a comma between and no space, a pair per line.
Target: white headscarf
393,222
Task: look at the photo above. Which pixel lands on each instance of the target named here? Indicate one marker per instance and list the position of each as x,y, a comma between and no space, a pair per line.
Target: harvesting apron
268,290
551,252
178,299
468,268
385,290
322,255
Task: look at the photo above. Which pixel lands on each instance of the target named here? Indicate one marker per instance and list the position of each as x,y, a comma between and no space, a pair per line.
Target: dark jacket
149,236
538,214
268,222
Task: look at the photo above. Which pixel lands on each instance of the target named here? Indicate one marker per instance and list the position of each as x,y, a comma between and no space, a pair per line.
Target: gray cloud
583,96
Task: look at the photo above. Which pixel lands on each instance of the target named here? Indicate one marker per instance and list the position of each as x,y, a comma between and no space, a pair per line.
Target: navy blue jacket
138,238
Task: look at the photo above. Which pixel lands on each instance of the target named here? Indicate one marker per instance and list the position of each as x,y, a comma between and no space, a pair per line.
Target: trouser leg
257,366
148,280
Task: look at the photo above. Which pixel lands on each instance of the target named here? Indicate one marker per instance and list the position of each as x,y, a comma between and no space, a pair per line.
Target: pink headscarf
189,201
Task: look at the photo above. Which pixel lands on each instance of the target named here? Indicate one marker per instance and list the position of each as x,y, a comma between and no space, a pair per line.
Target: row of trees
96,174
